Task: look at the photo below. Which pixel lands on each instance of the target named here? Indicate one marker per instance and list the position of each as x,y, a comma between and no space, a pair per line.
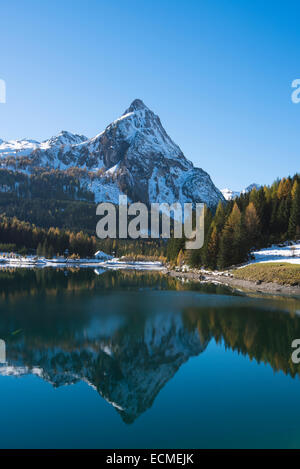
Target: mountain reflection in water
127,333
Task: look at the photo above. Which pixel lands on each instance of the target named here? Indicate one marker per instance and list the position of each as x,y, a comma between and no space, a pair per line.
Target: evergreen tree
283,215
229,253
213,248
259,200
294,221
219,219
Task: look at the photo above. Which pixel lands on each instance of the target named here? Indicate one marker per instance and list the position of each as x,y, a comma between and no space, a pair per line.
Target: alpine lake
130,359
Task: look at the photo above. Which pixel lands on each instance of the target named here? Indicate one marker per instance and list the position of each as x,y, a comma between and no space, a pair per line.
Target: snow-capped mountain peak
63,138
136,105
231,195
147,165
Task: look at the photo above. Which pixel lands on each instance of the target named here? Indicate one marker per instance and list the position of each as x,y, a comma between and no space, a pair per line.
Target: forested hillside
46,183
264,216
16,235
23,237
268,215
48,199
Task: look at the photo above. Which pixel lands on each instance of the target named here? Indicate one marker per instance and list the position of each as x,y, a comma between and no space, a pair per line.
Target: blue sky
218,73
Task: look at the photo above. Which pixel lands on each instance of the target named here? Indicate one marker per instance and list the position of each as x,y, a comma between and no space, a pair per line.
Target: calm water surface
130,359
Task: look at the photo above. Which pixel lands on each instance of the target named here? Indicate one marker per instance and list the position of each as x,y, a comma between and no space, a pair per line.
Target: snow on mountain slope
63,138
134,155
21,147
25,147
230,194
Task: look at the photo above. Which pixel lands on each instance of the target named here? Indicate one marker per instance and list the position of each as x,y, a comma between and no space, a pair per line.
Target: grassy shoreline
275,278
275,272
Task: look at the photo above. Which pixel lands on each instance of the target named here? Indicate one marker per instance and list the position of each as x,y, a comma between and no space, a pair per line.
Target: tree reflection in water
127,333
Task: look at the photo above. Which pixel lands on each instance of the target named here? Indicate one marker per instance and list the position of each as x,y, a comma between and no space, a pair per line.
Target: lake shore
107,263
204,276
239,284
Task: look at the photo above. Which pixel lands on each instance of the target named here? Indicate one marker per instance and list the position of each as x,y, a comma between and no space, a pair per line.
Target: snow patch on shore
278,253
101,261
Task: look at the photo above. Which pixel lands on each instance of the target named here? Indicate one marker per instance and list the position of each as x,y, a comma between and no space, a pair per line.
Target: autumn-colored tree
294,189
284,188
252,225
180,258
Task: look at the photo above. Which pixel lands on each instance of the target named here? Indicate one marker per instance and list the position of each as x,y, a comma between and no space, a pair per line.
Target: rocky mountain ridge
134,156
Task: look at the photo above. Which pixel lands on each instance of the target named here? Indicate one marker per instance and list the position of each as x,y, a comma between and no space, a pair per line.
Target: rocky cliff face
134,156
